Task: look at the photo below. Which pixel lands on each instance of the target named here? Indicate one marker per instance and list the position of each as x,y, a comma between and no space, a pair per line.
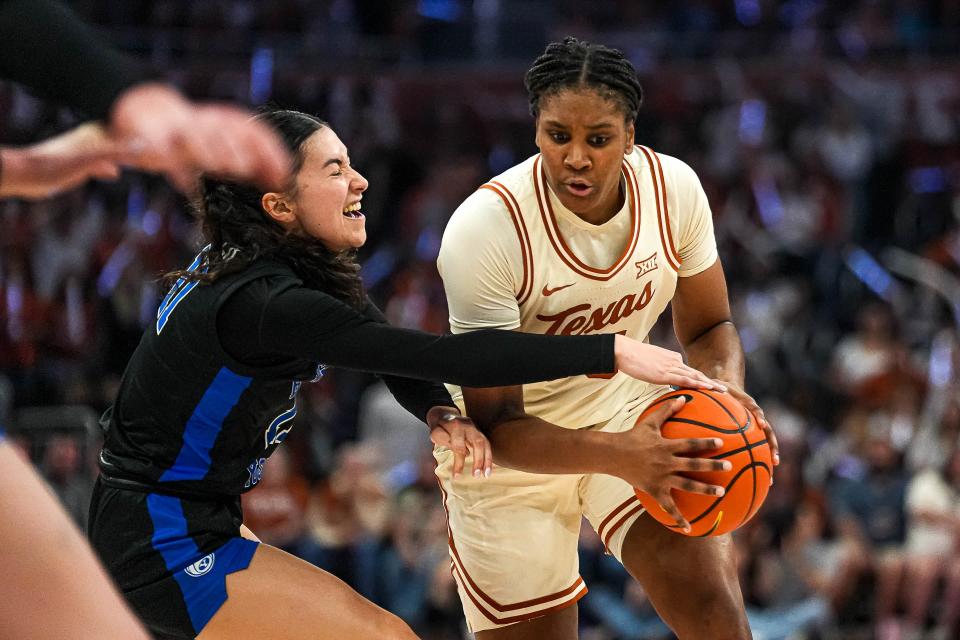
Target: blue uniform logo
202,566
255,472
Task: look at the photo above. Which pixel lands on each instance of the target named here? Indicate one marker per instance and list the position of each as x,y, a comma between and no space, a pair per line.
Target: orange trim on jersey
672,258
556,238
459,571
606,535
523,617
623,519
526,253
666,211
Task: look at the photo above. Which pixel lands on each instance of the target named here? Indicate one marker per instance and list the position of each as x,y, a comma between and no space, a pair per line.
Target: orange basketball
708,414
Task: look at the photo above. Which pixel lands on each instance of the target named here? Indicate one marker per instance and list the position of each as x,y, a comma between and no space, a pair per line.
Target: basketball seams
743,429
753,494
734,452
750,467
704,425
746,442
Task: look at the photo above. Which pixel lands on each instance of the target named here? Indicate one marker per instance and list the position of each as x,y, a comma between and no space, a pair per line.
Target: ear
536,131
631,132
277,208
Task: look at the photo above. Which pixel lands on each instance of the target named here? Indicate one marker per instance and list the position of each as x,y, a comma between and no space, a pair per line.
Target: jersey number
178,292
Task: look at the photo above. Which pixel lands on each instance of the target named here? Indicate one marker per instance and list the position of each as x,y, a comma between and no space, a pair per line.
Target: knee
738,627
723,617
390,627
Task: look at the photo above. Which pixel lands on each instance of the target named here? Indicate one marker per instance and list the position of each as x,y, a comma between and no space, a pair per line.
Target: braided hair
577,64
239,231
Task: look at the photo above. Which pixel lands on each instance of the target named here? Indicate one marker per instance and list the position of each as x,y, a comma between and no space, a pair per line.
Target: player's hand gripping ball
709,414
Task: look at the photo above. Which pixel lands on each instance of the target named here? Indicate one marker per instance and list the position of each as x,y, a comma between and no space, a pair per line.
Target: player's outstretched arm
63,162
52,587
155,126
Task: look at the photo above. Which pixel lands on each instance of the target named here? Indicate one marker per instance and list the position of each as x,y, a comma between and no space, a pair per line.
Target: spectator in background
347,517
933,534
871,510
867,363
275,512
64,470
414,572
385,424
806,577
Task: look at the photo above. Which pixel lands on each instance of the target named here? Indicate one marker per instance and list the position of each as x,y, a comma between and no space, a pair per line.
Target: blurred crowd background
826,137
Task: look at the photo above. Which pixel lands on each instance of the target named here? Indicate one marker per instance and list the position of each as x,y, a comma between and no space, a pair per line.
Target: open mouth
579,188
353,211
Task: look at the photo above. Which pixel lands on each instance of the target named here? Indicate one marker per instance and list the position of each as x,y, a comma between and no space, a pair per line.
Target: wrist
619,350
439,413
601,452
719,371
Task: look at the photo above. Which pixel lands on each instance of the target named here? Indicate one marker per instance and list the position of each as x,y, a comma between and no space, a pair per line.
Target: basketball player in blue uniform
210,392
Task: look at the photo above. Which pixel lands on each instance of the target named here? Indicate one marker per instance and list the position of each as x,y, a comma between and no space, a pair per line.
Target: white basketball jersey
555,289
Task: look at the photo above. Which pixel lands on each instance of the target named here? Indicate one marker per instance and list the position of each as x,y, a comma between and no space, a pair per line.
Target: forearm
537,446
417,396
67,160
718,353
309,323
16,176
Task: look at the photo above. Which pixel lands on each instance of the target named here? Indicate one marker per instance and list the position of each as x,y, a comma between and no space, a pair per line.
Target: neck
607,209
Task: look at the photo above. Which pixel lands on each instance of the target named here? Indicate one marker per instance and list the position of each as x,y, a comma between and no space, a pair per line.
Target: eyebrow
332,161
560,125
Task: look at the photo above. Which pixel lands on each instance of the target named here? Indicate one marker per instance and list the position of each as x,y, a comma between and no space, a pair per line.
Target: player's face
326,203
583,137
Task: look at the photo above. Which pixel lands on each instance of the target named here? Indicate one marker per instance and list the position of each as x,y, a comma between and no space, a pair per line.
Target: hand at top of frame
157,129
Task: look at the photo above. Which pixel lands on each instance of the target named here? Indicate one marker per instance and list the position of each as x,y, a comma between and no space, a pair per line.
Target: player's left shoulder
674,170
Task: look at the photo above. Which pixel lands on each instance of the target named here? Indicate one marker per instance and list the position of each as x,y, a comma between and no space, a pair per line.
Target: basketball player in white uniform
594,234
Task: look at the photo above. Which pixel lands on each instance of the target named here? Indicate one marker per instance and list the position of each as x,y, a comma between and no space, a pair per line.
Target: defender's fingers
440,437
714,385
695,486
459,447
690,382
482,456
476,442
